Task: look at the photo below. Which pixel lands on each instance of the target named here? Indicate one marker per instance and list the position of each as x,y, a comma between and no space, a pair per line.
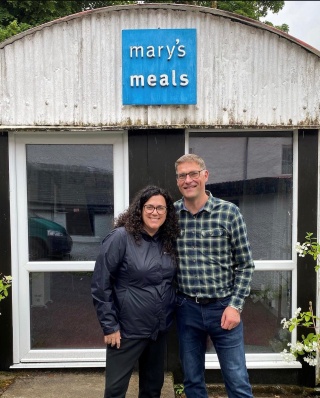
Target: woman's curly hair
131,218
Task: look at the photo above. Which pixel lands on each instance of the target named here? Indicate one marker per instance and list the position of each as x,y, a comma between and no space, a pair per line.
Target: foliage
251,9
5,284
12,29
310,246
309,346
178,389
284,27
19,15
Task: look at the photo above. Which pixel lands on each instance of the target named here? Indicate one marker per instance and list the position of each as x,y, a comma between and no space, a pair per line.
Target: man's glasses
193,175
150,209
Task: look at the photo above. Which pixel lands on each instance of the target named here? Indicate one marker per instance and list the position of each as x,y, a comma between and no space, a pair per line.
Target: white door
66,189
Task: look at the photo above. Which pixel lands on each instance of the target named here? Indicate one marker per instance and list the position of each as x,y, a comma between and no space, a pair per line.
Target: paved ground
90,384
65,384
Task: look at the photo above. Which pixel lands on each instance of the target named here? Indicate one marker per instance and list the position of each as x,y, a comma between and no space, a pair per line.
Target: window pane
269,302
255,173
62,313
70,200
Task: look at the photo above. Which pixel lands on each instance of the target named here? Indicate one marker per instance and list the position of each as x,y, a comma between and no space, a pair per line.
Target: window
287,157
254,171
64,199
70,200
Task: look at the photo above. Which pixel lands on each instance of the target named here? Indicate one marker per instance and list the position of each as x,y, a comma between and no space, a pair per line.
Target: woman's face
151,218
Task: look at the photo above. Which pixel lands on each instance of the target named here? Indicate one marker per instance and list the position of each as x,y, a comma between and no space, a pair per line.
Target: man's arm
243,262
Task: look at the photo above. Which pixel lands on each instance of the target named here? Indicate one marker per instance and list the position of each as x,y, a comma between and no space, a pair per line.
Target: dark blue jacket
132,285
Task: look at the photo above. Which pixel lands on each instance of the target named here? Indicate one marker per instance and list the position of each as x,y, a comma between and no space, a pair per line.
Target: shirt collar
209,205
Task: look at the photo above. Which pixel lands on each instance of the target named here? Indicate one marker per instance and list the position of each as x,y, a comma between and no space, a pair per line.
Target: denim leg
192,347
229,346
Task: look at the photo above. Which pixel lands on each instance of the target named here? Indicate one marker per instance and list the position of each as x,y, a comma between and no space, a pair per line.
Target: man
214,275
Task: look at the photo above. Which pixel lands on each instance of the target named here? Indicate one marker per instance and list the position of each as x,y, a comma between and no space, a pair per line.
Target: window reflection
62,313
255,173
70,200
269,302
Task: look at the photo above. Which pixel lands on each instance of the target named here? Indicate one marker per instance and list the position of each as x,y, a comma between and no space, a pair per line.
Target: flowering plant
310,246
309,346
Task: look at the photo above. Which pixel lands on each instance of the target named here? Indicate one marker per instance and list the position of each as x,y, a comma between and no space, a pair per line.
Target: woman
133,293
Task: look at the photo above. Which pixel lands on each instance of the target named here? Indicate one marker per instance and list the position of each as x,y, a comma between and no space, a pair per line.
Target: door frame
23,355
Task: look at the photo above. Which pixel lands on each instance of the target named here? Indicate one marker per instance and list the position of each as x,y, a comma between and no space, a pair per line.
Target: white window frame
268,360
23,355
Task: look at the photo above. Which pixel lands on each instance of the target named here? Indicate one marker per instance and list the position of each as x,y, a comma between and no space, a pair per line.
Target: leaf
291,328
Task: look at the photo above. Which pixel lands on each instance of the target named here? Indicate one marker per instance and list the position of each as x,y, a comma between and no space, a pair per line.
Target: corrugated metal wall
69,73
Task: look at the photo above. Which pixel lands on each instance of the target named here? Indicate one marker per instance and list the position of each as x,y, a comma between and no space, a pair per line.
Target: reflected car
47,239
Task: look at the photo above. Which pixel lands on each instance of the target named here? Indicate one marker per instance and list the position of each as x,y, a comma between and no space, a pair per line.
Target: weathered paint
68,73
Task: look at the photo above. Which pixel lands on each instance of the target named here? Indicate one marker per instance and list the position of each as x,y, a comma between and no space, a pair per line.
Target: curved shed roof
67,72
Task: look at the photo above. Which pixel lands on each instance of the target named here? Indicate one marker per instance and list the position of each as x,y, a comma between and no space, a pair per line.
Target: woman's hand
113,339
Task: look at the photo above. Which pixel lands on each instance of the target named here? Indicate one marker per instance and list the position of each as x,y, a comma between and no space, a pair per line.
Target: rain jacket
132,285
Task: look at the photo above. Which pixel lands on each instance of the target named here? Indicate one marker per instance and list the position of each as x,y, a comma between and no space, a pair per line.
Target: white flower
302,249
298,347
310,347
288,356
297,312
311,360
286,323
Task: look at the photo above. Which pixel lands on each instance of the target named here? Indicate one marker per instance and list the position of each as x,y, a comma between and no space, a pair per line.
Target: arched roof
67,72
196,9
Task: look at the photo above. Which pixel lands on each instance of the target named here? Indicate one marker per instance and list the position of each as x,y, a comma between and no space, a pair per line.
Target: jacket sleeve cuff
110,330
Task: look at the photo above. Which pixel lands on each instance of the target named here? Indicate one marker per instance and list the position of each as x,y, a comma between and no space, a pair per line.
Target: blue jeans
195,322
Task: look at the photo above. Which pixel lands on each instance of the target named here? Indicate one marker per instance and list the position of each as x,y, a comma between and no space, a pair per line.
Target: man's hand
230,318
113,339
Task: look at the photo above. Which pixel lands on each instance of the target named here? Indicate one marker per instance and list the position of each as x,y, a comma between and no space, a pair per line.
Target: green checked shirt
214,253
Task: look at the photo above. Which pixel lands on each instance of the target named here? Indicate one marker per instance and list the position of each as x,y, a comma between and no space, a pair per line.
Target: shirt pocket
214,242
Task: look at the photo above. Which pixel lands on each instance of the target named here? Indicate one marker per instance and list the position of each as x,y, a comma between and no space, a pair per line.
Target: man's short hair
191,157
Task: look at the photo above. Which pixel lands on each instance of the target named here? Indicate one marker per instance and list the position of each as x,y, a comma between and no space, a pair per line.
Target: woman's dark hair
131,218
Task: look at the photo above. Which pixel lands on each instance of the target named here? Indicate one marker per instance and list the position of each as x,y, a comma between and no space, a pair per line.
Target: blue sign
159,67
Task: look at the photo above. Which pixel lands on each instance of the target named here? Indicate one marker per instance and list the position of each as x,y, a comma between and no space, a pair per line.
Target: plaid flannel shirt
215,258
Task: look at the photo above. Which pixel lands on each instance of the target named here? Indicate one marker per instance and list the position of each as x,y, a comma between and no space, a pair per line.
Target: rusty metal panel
68,72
